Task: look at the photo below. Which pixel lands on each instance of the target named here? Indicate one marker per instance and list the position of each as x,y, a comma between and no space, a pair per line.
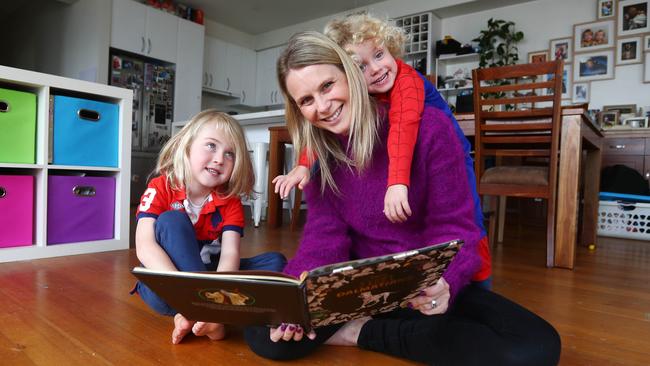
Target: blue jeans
175,234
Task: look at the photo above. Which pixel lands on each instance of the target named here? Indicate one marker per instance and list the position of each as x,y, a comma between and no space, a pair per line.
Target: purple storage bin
16,210
80,209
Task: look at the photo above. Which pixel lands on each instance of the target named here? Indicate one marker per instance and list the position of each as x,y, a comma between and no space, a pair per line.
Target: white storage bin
624,220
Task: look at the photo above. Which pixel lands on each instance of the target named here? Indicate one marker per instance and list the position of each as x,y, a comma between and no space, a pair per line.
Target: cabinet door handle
243,96
227,83
617,147
210,79
142,48
149,41
271,97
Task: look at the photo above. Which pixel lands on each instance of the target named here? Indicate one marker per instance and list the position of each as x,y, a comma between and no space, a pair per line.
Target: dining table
580,152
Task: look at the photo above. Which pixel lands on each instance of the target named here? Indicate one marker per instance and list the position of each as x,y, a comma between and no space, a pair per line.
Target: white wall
544,20
77,34
230,35
386,9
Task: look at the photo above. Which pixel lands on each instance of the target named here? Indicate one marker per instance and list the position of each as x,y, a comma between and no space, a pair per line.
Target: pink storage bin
16,210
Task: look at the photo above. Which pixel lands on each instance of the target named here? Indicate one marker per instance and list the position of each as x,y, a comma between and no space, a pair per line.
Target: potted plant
498,43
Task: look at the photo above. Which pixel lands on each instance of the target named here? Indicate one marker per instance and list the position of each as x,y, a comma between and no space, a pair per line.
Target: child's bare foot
348,334
182,326
214,331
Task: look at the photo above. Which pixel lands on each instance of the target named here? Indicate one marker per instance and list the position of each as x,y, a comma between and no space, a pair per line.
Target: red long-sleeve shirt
406,100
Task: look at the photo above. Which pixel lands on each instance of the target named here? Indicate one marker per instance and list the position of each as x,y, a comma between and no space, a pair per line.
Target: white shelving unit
44,85
447,65
417,48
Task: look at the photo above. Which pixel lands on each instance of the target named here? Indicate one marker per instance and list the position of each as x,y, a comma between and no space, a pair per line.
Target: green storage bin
17,126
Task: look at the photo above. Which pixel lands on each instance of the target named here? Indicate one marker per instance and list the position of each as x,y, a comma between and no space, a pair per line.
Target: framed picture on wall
567,84
628,51
593,35
581,93
632,17
560,48
594,66
646,68
537,56
605,9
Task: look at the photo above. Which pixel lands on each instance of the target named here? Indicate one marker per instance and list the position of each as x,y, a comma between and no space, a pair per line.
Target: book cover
323,296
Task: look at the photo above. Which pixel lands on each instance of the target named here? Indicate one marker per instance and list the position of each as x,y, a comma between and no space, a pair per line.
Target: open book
326,295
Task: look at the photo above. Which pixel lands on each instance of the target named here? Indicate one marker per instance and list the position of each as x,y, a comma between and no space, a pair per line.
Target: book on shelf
323,296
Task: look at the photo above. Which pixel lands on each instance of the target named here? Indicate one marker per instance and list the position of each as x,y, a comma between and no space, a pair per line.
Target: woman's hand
284,183
396,203
433,300
287,332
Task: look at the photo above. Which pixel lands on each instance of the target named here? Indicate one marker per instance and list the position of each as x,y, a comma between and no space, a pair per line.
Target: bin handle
4,106
83,191
3,192
89,115
626,204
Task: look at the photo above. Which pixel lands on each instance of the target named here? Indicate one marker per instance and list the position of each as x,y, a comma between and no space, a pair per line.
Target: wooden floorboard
77,310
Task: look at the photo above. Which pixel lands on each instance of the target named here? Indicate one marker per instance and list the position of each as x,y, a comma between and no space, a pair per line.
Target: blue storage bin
85,132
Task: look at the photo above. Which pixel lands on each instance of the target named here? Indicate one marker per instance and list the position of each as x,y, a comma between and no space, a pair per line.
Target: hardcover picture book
326,295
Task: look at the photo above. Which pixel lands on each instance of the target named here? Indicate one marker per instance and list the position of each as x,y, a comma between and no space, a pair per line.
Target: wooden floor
77,311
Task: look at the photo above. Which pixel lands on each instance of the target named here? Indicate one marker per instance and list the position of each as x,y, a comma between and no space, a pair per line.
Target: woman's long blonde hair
174,159
313,48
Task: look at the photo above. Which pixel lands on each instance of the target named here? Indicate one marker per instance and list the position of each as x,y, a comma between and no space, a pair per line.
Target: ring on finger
434,304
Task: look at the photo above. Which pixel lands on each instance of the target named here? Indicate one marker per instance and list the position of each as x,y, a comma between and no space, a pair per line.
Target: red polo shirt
218,214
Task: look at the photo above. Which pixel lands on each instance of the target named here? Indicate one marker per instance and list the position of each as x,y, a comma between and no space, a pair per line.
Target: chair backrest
518,114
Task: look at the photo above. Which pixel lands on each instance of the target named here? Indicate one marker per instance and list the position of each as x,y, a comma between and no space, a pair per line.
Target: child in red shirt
190,217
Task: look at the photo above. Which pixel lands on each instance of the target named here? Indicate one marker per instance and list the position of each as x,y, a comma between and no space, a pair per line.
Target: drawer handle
83,191
617,147
89,115
3,192
4,106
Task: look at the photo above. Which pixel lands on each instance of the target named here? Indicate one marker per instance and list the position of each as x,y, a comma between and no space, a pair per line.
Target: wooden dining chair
518,115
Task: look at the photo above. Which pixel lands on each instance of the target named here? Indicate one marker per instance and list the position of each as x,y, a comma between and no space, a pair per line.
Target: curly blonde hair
357,28
174,158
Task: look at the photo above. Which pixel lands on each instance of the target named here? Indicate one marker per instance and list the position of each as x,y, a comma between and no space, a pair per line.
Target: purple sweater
352,225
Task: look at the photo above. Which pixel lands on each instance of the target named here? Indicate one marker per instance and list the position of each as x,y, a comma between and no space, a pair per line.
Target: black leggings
482,328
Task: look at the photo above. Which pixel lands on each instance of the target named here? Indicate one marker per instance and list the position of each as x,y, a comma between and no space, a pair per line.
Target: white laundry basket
621,219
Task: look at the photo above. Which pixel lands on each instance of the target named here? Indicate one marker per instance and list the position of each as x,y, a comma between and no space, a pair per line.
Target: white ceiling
260,16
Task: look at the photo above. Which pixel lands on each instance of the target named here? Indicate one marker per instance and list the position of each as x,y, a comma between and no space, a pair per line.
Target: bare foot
348,334
182,326
214,331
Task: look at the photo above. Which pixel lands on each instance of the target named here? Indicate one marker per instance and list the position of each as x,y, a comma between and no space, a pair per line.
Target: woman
329,112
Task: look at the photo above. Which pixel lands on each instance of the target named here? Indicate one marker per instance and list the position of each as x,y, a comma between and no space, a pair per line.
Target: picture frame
593,36
605,9
624,110
636,122
567,82
580,93
646,68
537,56
608,119
646,43
561,48
628,51
632,17
594,66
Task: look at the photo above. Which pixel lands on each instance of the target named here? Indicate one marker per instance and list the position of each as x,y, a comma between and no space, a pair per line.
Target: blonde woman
329,113
190,217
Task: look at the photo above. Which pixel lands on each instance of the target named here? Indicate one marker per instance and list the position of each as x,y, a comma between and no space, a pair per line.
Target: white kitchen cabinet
268,90
233,72
189,66
217,77
248,72
144,30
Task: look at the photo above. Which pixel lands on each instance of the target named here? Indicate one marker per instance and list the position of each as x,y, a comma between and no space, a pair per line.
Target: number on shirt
147,198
